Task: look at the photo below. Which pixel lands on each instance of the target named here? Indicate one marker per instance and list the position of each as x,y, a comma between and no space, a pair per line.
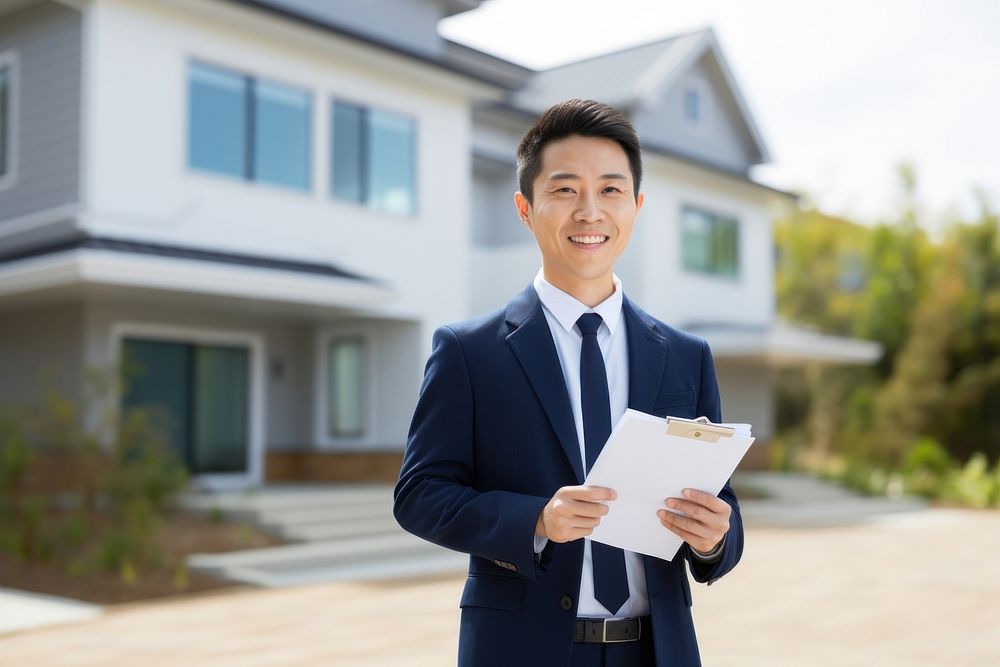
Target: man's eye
565,189
612,188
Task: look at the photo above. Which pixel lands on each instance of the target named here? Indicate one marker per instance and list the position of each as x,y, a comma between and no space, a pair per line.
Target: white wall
140,186
680,296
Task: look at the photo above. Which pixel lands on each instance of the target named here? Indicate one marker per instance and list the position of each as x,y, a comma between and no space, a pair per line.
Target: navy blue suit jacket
491,441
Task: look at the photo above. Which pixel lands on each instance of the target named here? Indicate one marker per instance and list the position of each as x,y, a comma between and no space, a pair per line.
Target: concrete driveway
909,589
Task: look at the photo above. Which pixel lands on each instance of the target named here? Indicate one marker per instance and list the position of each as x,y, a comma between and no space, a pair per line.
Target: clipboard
648,459
698,429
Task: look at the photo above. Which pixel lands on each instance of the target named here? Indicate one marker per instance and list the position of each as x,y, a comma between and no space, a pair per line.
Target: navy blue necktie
610,580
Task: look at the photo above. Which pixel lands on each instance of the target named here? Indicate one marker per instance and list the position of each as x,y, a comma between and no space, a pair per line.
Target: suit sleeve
435,497
709,405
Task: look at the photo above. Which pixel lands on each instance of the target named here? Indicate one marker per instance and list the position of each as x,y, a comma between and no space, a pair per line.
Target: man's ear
523,207
638,203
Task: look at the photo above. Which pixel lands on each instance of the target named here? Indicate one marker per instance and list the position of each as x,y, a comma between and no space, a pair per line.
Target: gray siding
40,349
722,141
47,40
494,218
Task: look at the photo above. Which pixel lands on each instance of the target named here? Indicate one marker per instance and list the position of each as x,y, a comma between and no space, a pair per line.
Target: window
709,243
248,128
7,110
199,393
692,105
346,371
373,155
695,104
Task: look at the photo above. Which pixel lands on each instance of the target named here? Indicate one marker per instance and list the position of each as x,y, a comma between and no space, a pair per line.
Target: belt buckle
604,632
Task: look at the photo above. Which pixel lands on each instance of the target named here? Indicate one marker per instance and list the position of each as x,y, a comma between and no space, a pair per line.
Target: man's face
583,209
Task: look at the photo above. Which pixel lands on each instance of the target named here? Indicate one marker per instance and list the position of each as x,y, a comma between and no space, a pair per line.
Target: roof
614,78
782,343
221,279
323,15
628,77
180,252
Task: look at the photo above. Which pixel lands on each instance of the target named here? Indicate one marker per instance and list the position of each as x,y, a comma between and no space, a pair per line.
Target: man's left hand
706,523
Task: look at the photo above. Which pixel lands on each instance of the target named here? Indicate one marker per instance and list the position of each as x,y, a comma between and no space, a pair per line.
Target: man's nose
589,209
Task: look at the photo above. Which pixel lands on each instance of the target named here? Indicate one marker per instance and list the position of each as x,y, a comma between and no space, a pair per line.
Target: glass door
203,393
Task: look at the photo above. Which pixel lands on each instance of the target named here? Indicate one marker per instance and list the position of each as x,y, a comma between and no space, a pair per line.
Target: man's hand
706,523
573,512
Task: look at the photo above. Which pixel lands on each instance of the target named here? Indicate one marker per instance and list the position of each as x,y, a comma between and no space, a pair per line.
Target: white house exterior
272,205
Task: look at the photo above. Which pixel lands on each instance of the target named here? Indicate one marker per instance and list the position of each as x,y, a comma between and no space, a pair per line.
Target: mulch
180,534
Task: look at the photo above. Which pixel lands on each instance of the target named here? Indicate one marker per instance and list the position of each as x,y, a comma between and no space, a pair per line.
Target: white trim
256,416
321,434
781,344
9,59
186,275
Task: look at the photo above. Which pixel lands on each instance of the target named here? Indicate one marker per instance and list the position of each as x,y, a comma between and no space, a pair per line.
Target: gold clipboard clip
698,429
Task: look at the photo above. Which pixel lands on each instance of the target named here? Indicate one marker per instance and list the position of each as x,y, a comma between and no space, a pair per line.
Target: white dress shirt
561,312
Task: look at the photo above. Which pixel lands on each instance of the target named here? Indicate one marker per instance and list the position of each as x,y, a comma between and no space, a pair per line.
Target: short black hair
585,118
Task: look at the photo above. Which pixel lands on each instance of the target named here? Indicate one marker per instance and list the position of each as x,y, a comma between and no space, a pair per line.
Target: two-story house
261,210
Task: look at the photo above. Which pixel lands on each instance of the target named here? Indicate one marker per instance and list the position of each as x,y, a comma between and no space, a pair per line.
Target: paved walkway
914,590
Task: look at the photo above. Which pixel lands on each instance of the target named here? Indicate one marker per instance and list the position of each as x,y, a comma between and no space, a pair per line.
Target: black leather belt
611,630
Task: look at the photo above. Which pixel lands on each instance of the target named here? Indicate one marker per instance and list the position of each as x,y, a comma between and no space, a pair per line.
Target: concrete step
287,498
343,528
441,561
309,515
343,532
379,556
306,551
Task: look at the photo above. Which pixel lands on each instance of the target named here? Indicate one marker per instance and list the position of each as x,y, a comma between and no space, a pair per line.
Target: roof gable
638,77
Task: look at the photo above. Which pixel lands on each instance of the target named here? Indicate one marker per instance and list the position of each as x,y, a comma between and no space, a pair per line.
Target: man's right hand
573,512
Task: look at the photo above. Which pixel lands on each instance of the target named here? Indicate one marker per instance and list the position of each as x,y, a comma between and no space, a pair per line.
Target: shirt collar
567,310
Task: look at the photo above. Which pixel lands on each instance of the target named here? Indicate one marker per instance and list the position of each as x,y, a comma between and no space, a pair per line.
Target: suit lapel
647,358
531,342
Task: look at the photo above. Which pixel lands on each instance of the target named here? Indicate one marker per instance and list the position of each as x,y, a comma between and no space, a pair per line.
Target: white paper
646,466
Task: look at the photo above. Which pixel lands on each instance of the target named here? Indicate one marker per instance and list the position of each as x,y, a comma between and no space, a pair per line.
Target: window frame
715,217
247,171
700,88
10,61
323,435
364,159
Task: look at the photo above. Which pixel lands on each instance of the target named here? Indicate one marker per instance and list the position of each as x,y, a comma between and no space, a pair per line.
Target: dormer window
695,103
692,105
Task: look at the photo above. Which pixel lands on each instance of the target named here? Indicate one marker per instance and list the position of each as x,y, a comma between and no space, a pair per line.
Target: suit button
566,603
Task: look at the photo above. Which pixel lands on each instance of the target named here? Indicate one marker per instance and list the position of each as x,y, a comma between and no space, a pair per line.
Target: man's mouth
592,239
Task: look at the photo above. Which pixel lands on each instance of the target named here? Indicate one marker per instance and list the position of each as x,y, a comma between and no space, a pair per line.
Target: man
516,404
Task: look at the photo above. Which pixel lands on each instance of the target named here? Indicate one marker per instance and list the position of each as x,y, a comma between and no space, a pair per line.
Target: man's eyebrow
565,176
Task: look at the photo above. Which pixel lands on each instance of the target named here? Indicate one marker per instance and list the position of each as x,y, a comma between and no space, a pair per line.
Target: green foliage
931,406
973,485
122,463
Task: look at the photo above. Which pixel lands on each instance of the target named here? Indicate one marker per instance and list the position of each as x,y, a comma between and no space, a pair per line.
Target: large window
248,128
373,158
710,243
346,371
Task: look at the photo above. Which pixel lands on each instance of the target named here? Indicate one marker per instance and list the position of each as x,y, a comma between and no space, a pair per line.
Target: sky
842,91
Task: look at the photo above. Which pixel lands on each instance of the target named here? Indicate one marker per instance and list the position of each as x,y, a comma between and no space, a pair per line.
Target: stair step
441,561
339,529
287,498
343,549
307,515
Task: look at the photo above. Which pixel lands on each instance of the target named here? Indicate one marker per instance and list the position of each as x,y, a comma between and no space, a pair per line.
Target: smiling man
516,405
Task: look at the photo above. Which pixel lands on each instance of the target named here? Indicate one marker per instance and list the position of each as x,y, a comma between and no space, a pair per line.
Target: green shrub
973,485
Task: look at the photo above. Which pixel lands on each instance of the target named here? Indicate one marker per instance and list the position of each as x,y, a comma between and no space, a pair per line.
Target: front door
203,390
